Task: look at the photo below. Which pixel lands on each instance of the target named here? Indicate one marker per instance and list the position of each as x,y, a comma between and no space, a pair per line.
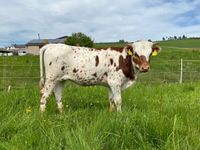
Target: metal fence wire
173,71
162,71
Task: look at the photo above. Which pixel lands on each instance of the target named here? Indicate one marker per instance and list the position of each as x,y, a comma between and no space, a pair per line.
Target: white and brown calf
114,68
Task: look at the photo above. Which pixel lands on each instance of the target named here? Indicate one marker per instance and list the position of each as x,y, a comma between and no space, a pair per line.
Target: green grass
154,117
19,72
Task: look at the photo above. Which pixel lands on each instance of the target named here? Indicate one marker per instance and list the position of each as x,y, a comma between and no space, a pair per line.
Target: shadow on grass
75,105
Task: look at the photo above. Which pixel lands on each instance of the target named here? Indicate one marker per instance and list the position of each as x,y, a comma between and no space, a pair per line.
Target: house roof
41,42
19,45
38,42
63,37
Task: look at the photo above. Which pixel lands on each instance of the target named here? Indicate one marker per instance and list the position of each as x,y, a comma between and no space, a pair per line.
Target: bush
79,39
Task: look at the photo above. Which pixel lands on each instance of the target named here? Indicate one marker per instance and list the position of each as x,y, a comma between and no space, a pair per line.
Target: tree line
178,37
80,39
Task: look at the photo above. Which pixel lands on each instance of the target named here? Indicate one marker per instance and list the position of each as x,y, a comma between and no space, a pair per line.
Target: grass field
20,72
185,43
154,115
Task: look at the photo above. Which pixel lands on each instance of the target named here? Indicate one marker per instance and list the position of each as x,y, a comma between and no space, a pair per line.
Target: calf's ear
155,49
129,49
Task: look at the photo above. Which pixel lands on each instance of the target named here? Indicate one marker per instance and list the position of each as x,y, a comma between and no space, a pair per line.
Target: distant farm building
14,49
4,52
33,46
18,49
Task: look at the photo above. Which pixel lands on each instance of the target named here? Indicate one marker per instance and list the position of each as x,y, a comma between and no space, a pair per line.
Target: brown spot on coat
117,68
118,49
75,70
62,68
50,63
111,61
125,65
97,61
105,74
95,74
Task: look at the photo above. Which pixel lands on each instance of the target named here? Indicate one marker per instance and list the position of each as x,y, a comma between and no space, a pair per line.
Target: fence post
181,72
9,87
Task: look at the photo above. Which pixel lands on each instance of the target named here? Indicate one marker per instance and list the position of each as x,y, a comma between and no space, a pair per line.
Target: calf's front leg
112,104
116,100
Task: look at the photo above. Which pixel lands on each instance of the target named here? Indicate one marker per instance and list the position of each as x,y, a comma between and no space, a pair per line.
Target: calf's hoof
42,108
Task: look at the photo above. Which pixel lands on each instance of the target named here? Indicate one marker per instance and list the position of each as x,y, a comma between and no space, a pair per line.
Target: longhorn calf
115,68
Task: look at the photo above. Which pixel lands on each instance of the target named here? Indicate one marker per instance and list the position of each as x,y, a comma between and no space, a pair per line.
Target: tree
79,39
184,37
122,41
170,38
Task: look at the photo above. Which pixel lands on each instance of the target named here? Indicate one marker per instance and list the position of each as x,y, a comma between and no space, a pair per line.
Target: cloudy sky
102,20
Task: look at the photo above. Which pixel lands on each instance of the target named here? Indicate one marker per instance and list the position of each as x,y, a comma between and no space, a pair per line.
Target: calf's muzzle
144,67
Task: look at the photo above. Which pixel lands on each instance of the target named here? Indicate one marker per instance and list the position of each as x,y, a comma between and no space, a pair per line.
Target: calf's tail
42,67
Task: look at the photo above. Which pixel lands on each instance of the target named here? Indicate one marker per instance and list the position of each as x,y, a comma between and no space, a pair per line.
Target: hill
24,71
186,43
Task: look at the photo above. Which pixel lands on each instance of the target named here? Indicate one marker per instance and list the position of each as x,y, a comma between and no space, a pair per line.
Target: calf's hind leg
58,94
46,91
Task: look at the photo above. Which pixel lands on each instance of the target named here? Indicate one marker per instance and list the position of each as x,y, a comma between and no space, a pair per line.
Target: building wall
34,50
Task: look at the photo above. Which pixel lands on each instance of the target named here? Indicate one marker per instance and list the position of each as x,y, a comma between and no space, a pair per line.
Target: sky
102,20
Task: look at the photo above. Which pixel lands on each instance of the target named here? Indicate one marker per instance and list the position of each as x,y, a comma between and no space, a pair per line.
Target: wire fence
177,71
14,76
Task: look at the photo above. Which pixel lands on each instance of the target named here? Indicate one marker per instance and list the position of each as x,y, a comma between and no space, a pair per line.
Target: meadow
155,115
184,43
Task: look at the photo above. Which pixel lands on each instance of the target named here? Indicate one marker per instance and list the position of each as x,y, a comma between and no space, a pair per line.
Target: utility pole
38,35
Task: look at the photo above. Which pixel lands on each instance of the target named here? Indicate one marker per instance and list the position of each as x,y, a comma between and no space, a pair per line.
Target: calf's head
141,52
